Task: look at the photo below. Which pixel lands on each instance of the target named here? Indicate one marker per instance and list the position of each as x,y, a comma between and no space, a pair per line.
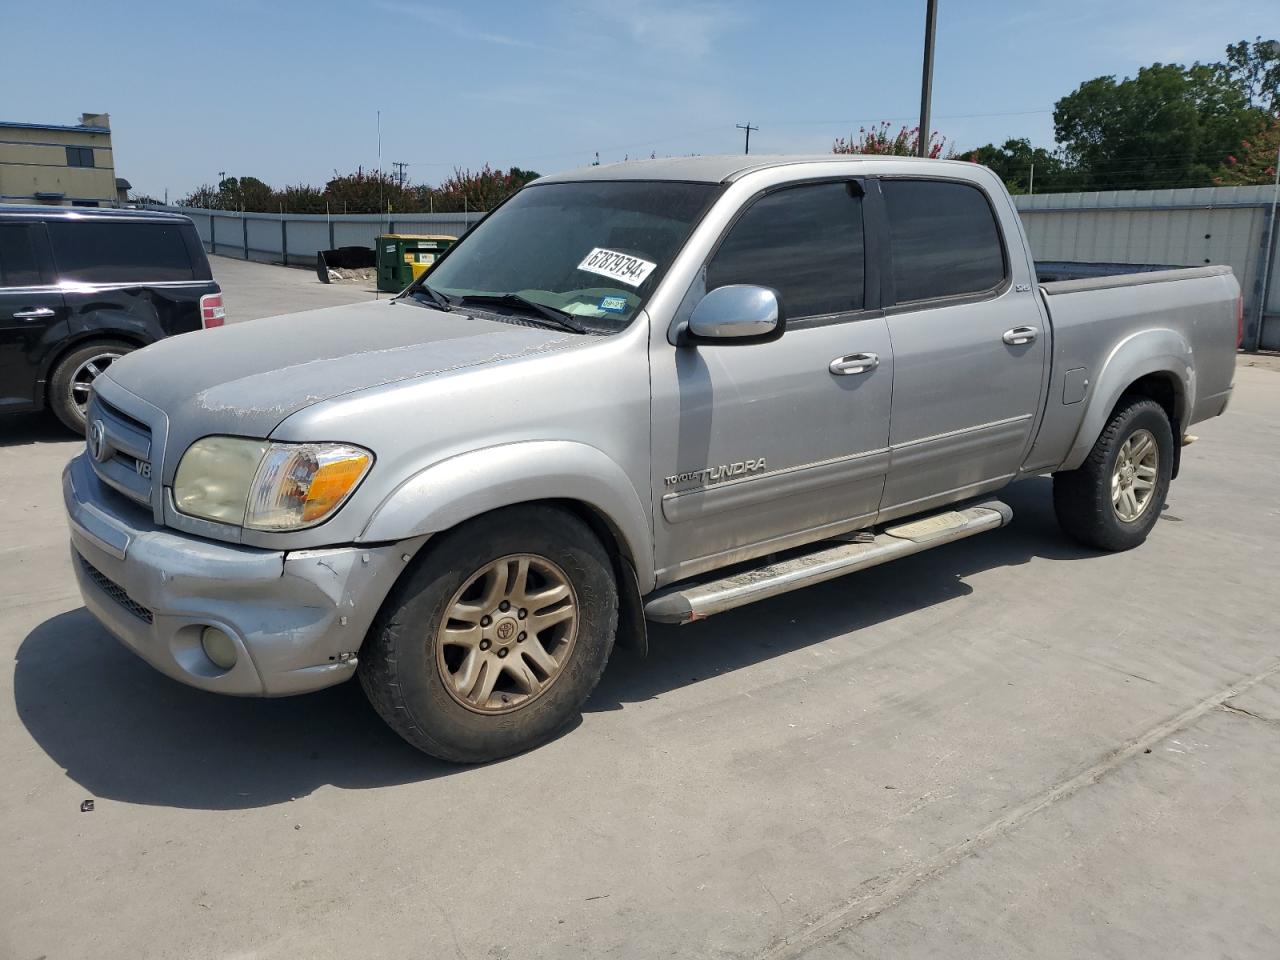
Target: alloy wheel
507,634
1133,481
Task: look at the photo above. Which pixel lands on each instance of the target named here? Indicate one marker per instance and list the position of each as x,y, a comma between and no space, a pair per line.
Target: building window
79,156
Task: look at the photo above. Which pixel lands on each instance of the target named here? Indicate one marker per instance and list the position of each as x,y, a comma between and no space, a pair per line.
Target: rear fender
1151,351
446,493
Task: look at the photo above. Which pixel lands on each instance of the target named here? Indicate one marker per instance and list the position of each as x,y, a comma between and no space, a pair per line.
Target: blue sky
287,90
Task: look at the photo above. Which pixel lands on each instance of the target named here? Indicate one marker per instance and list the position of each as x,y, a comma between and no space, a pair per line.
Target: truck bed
1110,329
1053,271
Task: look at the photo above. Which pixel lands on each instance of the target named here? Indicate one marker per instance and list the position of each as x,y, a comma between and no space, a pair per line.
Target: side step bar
684,603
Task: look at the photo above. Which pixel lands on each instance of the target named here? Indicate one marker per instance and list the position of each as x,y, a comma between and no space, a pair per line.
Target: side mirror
738,313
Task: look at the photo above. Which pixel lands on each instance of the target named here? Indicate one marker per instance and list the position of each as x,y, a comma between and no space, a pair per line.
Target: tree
879,141
1169,126
1013,161
302,198
362,192
479,190
204,196
1254,68
246,193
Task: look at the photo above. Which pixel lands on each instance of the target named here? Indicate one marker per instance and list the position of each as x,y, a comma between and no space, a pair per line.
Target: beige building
60,165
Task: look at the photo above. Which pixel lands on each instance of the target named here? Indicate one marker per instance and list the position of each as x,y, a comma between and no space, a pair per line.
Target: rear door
32,313
129,276
969,344
760,446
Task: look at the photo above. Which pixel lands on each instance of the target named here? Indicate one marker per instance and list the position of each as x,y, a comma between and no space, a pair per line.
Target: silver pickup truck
656,390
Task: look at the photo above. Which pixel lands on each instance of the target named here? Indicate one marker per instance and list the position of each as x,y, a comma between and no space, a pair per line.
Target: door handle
36,313
854,363
1020,335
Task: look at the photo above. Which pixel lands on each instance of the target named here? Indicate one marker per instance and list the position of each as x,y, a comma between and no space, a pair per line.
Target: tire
426,685
68,386
1084,499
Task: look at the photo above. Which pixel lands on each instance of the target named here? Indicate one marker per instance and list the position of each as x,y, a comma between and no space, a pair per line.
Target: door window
121,252
18,265
943,238
805,242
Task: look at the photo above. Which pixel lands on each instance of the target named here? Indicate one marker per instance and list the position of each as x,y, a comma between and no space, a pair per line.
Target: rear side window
123,252
806,242
18,265
944,239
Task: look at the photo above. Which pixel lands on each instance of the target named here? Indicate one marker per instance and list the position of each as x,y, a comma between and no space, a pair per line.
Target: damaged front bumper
296,618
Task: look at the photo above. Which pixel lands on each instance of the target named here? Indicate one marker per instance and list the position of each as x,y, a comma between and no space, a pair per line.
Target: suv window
806,242
124,252
944,239
18,266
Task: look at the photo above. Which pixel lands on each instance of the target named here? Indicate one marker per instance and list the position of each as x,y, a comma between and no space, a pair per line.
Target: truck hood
246,378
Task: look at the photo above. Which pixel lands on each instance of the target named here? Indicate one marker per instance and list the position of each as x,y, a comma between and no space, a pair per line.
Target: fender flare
1151,351
446,493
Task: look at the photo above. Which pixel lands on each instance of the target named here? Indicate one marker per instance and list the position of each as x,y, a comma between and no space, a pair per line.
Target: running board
685,603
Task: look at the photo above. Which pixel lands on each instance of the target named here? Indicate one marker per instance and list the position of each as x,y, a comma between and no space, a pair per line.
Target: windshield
595,250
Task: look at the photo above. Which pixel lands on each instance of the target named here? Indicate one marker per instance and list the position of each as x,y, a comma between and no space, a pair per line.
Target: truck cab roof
728,168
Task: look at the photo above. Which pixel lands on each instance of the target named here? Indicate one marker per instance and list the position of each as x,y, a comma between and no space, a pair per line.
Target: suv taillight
1240,320
211,312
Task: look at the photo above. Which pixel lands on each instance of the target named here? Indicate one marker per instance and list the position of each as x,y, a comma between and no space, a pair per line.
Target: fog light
218,647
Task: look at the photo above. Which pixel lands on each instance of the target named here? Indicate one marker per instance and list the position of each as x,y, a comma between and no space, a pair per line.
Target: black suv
81,288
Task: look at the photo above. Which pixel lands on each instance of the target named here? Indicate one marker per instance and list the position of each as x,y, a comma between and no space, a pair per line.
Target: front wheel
494,640
1113,499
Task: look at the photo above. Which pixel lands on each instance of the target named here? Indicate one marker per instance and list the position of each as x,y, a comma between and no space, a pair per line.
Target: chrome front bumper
297,618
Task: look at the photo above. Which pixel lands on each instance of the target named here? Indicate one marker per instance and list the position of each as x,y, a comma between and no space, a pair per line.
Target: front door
968,345
762,446
31,312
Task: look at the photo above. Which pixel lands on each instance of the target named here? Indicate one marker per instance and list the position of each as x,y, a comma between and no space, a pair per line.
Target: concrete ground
1005,747
252,290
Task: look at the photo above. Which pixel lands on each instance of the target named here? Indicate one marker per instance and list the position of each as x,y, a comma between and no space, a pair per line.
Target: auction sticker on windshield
617,266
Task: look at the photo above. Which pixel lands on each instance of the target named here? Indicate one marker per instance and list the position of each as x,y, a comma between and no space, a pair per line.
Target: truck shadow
124,732
682,655
18,429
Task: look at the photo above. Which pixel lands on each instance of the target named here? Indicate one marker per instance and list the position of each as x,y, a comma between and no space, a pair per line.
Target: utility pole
926,79
400,171
1031,183
746,148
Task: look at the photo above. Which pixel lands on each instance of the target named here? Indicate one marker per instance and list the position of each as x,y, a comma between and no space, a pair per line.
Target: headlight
267,486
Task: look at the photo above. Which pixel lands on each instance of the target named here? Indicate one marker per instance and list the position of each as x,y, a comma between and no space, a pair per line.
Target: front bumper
297,618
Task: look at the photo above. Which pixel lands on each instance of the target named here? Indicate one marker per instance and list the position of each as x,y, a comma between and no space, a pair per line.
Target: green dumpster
403,256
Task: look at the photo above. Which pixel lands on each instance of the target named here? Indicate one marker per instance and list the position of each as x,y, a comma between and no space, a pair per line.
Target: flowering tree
881,140
1254,162
480,190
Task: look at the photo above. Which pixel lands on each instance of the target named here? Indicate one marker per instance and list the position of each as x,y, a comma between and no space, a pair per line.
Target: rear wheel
72,380
1114,498
493,642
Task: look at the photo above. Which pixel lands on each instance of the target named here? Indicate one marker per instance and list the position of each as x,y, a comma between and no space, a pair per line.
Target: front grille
127,450
115,591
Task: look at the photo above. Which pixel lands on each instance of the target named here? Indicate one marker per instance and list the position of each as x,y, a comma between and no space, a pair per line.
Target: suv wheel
491,644
1114,498
72,380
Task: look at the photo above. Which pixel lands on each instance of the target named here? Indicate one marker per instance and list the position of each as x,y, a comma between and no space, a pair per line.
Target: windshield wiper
560,318
440,300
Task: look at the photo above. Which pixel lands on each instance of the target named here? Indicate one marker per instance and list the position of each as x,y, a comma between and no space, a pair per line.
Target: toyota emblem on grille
97,441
